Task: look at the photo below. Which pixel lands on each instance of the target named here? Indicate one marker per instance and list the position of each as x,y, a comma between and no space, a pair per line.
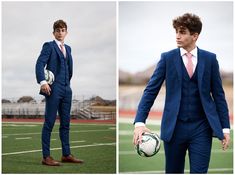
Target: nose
177,36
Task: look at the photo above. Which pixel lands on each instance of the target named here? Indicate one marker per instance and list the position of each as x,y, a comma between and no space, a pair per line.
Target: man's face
184,39
60,34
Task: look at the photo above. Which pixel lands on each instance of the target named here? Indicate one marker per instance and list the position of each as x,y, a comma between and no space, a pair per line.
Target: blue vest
190,106
63,75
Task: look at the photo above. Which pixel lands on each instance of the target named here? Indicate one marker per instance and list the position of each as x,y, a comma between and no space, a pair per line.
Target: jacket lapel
58,50
200,67
68,56
177,61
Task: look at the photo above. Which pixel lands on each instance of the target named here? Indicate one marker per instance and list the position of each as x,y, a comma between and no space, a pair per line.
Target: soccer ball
150,145
49,76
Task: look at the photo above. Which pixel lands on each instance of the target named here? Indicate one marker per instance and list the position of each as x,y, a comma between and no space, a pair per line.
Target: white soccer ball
49,76
150,145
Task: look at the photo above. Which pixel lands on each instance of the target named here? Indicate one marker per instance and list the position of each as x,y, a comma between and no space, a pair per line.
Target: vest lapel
200,68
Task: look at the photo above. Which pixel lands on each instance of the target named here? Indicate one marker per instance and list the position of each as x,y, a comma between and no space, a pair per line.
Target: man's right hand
138,131
46,89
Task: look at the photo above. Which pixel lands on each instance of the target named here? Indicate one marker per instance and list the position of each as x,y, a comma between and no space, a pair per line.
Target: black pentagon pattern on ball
141,152
49,76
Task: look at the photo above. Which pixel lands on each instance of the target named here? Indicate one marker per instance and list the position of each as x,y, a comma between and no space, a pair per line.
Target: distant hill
143,77
124,77
98,101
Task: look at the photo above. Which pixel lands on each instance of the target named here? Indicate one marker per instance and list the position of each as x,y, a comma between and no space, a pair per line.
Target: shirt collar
58,42
193,52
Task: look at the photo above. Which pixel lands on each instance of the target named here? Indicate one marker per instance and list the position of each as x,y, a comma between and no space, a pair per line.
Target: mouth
178,42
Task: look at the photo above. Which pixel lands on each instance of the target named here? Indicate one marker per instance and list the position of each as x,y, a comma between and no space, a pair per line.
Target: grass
130,162
94,143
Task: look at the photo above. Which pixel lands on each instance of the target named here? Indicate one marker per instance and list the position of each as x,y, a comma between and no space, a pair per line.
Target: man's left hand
225,142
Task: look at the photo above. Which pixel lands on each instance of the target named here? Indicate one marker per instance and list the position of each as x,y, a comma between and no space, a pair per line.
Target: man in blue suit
56,57
195,106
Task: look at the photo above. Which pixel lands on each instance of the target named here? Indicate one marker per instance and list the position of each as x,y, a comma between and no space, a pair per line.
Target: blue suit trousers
196,137
59,100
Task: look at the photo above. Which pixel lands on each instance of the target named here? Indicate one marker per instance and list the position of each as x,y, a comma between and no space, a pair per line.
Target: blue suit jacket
51,57
210,89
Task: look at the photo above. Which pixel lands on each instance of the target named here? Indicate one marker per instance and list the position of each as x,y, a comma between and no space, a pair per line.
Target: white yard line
162,152
23,138
129,132
58,123
39,150
78,141
37,133
131,120
112,128
19,125
186,171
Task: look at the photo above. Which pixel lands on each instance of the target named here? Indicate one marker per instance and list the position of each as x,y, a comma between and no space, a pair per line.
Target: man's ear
195,36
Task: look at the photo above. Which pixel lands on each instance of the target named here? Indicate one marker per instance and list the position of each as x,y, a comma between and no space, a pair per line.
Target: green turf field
94,143
130,162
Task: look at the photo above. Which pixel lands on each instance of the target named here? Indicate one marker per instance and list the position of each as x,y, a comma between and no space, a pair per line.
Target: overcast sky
145,31
91,34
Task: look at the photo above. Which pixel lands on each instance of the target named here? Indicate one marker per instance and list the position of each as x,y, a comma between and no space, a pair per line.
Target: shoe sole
51,165
71,162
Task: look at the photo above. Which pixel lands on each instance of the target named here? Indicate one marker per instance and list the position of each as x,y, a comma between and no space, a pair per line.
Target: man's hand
46,89
138,131
225,142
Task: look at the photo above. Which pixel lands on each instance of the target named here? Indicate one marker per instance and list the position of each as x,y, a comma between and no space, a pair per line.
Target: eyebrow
181,29
57,29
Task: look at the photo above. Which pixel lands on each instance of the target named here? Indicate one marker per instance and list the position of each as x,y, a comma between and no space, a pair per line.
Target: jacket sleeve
42,61
71,65
151,91
218,95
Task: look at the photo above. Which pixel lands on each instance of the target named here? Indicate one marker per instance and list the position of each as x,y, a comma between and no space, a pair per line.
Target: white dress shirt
59,45
185,60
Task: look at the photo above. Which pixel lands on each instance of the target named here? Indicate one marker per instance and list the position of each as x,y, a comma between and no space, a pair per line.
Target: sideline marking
39,150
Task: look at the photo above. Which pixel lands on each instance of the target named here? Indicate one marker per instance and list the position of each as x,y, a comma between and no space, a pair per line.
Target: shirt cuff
137,124
43,82
226,130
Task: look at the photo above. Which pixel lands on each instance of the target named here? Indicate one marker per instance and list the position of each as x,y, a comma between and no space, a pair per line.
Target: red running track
57,120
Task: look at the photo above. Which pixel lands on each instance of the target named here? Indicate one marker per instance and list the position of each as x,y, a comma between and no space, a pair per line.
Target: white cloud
145,31
91,27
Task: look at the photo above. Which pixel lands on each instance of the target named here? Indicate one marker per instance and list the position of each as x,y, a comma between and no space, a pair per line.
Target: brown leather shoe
50,161
71,159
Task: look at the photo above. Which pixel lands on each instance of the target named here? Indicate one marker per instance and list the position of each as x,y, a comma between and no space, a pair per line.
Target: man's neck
189,48
62,42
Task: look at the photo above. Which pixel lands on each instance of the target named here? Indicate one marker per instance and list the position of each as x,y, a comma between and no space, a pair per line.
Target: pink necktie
189,65
62,50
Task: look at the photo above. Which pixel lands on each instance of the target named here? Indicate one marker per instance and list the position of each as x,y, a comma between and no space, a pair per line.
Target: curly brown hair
190,21
59,24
